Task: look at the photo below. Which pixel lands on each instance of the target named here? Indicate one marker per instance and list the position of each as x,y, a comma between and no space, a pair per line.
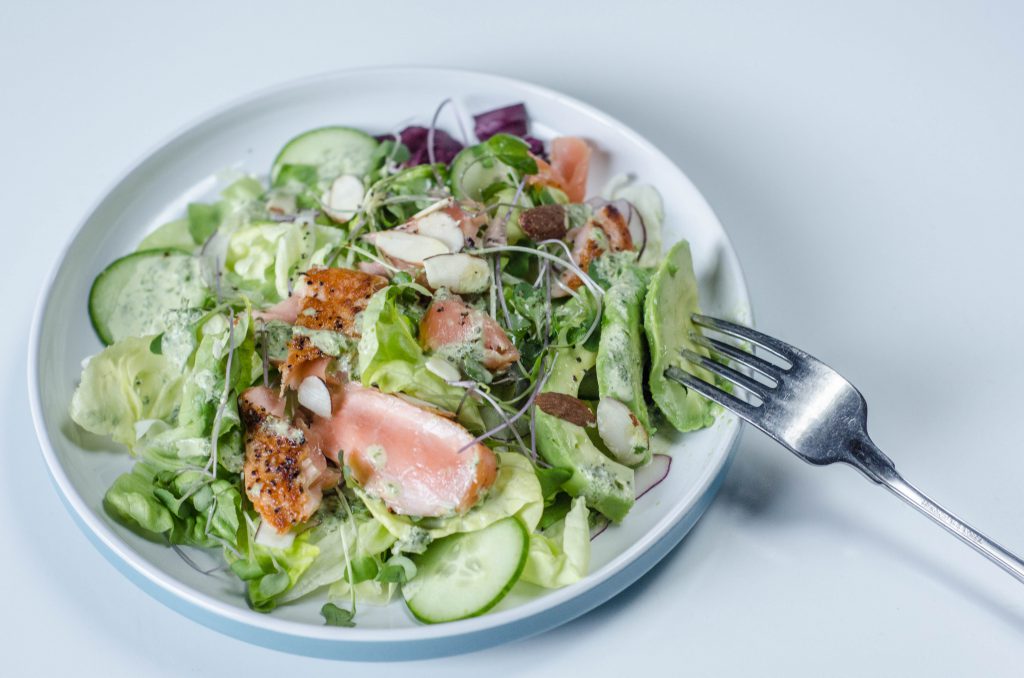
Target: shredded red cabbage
536,146
415,139
507,120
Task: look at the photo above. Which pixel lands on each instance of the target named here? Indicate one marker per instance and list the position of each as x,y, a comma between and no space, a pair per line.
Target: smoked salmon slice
409,457
568,170
570,158
449,323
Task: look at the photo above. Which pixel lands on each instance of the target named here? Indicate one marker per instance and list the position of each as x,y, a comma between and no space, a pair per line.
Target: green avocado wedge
671,300
620,353
607,485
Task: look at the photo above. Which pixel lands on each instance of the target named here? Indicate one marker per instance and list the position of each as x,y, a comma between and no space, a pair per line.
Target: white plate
245,136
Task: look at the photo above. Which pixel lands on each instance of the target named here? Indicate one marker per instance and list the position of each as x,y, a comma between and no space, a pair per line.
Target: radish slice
621,432
314,396
460,273
650,476
409,247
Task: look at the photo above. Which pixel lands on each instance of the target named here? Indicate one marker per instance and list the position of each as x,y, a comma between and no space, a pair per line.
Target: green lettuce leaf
560,555
391,359
124,384
182,508
267,257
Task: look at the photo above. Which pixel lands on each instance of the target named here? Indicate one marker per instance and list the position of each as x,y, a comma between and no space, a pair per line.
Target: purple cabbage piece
507,120
536,146
415,139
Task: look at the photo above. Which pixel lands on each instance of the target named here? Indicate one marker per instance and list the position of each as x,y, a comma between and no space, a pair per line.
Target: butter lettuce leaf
560,555
124,384
264,258
391,360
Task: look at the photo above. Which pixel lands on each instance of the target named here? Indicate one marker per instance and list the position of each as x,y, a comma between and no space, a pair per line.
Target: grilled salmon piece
409,457
284,475
304,359
332,298
607,230
324,299
450,321
327,299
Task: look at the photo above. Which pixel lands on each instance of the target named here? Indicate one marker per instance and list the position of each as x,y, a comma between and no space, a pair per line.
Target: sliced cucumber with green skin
467,574
134,295
333,151
474,169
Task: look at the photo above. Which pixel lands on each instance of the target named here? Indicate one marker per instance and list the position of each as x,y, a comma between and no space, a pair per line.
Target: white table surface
866,158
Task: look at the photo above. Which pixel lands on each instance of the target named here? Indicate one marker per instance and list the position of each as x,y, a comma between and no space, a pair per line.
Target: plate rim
103,535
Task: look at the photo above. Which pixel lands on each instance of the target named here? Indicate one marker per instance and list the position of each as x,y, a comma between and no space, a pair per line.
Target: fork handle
879,468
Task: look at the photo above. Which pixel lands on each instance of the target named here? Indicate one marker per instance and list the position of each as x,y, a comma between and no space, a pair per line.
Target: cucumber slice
473,170
467,574
333,151
132,296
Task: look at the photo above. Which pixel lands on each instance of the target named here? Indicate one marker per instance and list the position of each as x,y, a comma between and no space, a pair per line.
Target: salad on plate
398,366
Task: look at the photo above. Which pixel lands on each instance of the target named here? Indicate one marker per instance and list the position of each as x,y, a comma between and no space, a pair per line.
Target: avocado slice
620,353
606,485
671,301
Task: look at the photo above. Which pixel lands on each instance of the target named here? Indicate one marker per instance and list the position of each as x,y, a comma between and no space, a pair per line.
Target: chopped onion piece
314,396
267,536
442,368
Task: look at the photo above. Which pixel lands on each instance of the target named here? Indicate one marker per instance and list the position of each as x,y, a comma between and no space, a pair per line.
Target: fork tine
770,370
713,393
779,348
738,378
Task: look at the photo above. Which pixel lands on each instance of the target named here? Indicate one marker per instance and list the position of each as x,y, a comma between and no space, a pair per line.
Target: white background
867,159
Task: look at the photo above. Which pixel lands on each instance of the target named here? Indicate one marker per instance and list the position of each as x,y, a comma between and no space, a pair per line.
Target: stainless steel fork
817,414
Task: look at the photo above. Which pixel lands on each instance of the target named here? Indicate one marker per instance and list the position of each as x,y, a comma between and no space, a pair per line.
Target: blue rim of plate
548,611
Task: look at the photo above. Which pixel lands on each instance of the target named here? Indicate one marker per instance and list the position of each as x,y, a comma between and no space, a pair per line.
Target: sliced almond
566,407
442,226
460,273
344,198
409,247
444,203
314,396
622,433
